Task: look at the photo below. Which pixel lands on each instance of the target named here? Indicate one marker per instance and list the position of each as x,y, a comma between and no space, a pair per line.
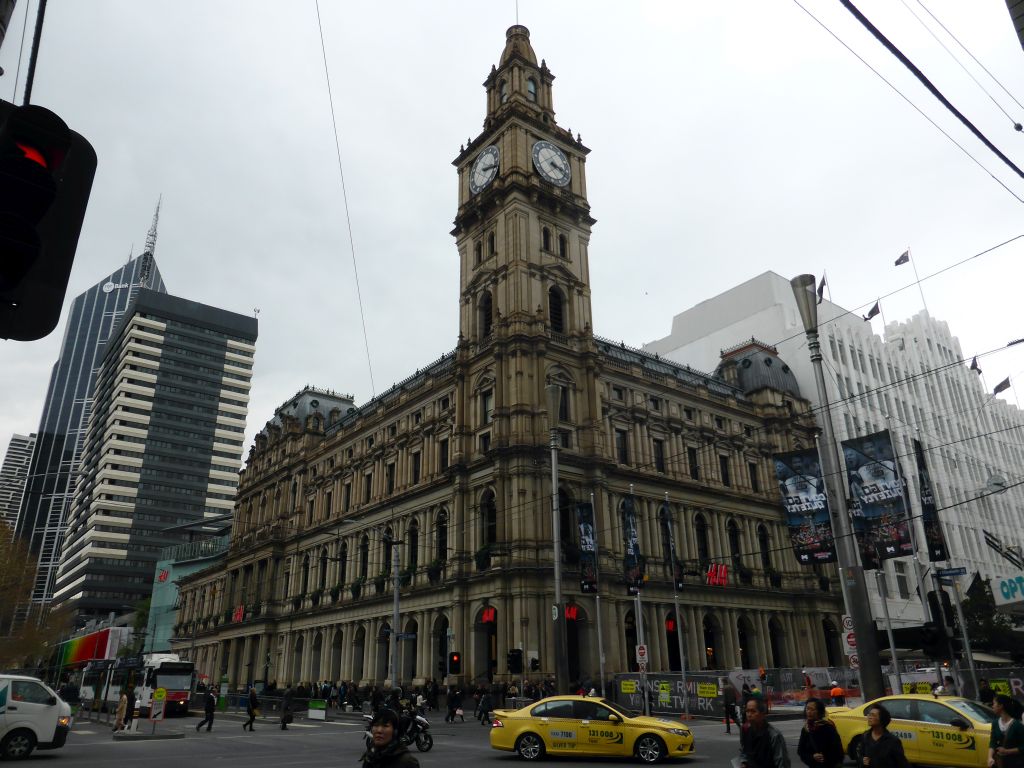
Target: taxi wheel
854,748
649,748
530,746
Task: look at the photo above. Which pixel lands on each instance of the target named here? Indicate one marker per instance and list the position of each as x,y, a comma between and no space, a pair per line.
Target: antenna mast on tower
150,247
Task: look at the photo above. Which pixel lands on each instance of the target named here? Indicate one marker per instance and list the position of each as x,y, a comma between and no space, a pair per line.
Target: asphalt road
334,743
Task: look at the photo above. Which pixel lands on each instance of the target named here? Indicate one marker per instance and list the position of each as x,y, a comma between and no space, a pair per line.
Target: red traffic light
670,625
32,153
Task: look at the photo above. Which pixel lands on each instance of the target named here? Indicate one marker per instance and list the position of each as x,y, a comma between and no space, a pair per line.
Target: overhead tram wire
917,109
1017,126
914,70
21,55
968,52
344,195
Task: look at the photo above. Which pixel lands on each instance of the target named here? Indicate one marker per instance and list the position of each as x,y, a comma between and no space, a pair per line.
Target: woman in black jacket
250,709
878,748
820,745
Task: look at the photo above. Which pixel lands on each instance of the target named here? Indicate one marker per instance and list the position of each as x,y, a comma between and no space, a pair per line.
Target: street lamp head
806,301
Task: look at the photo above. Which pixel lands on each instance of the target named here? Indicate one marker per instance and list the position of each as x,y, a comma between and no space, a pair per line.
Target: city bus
103,681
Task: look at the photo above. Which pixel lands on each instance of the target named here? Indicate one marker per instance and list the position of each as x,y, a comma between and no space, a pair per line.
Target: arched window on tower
733,532
489,519
503,90
364,557
478,253
342,562
555,310
412,558
563,246
545,239
441,536
385,550
764,545
531,89
486,316
700,532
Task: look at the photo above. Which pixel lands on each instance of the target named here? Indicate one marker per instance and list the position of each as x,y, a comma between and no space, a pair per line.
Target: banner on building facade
933,536
671,558
878,498
803,497
633,563
588,547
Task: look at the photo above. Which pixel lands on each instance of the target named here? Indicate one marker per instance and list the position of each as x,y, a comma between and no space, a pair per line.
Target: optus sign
1007,590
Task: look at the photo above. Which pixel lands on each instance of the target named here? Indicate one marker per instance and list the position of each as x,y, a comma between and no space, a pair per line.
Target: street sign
554,612
951,571
847,623
641,654
854,661
406,635
159,694
156,708
643,667
850,643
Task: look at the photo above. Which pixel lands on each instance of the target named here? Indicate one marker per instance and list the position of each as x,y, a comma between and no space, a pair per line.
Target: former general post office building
454,465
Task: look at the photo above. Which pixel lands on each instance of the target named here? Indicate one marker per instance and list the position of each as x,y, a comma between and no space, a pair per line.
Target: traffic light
454,663
933,641
46,173
515,661
535,665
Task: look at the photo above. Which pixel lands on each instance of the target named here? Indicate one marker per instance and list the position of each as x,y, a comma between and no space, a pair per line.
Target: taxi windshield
972,709
617,708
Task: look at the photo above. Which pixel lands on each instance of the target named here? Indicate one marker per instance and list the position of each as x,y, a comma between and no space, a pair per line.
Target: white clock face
551,163
484,169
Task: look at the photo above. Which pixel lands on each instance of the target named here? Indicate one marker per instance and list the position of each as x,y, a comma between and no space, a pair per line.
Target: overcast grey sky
727,139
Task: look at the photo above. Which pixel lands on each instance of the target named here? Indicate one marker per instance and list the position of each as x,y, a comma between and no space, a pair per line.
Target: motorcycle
413,728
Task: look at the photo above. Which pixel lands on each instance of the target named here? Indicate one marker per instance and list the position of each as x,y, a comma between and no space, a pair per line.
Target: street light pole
850,568
554,396
395,559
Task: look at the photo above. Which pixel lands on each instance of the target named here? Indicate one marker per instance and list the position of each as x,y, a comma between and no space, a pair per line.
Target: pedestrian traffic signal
515,661
46,173
535,665
454,663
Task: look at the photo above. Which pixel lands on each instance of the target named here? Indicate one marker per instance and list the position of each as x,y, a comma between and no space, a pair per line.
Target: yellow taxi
935,730
577,725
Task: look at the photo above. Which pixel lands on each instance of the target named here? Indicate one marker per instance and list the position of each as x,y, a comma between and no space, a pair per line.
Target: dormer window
503,90
531,89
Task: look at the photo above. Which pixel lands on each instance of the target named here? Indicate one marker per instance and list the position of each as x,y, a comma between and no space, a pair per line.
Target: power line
344,196
911,103
953,56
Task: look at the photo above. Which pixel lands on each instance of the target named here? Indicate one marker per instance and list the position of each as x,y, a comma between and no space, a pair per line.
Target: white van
31,716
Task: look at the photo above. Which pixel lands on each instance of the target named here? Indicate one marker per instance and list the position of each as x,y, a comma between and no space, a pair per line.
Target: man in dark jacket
209,707
286,707
385,750
761,744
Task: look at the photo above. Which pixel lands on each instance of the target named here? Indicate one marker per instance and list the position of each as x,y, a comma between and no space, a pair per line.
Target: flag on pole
974,365
1002,386
903,259
874,311
821,290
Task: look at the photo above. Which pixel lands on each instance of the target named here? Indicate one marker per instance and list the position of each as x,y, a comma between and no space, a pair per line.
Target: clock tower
523,224
522,231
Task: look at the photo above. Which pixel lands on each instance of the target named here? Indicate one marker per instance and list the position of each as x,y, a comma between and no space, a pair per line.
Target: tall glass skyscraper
50,486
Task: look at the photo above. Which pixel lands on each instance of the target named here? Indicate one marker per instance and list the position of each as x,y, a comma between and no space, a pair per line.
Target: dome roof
517,42
758,366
